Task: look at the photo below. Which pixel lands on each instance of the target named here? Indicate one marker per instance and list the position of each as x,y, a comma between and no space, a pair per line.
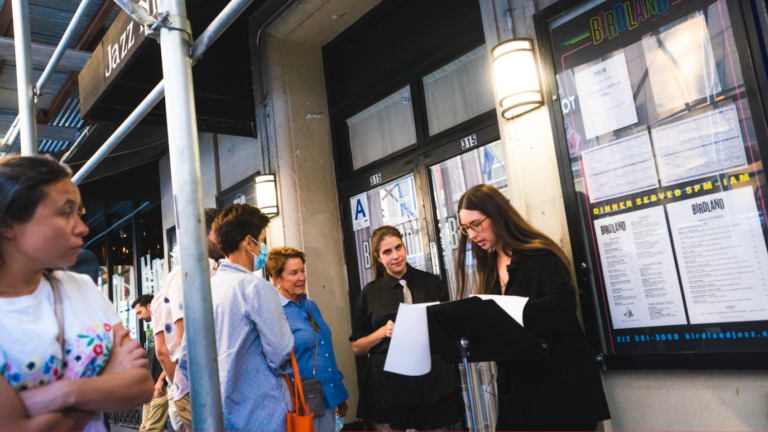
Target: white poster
722,257
619,168
707,144
639,270
361,217
605,94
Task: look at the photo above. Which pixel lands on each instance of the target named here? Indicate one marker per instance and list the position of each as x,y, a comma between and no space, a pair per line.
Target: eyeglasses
475,226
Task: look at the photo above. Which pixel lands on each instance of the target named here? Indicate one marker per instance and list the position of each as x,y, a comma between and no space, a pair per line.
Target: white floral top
31,357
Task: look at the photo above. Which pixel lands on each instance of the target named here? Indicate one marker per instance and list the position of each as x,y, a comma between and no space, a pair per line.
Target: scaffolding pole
24,77
187,186
58,54
222,21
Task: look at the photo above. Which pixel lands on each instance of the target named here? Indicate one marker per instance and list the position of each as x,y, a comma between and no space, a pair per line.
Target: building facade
378,113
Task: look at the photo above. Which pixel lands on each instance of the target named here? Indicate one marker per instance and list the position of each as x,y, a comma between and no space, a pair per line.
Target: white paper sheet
639,270
722,256
409,349
512,305
620,167
703,145
605,94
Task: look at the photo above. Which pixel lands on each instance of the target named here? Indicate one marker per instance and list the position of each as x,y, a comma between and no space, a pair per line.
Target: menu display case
661,130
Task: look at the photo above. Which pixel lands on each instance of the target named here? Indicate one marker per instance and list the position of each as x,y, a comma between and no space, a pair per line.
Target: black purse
313,388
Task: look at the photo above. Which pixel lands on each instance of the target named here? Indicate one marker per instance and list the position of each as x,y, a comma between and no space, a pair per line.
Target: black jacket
563,391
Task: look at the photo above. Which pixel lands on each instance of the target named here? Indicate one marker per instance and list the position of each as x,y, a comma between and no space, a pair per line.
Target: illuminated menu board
667,171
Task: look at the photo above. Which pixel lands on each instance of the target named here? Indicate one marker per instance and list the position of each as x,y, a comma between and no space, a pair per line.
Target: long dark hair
22,186
516,237
379,234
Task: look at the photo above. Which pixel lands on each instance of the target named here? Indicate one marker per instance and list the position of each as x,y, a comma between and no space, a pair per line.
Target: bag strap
316,327
293,394
58,309
299,387
314,365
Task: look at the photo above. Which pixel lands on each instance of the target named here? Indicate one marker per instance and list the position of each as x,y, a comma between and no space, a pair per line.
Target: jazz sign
114,53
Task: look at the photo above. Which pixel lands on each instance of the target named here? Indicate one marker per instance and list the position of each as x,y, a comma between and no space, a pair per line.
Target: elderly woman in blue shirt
286,266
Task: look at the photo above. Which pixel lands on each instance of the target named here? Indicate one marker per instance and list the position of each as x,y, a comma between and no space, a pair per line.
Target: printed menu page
620,167
722,257
703,145
639,270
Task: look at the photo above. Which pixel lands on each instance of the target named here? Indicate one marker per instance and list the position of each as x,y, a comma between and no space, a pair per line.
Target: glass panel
450,179
668,174
382,129
124,277
391,204
458,91
152,251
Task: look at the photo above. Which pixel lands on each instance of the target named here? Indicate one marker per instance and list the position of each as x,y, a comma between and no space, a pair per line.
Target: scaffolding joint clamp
172,22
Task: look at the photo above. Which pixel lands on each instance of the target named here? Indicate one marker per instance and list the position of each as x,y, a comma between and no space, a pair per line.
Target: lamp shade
517,77
266,194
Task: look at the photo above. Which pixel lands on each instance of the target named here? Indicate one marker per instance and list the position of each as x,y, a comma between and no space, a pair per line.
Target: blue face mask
260,260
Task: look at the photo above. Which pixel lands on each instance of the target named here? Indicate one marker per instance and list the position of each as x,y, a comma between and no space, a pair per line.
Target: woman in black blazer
563,391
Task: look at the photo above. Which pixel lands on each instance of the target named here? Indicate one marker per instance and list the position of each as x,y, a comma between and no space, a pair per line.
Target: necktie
407,298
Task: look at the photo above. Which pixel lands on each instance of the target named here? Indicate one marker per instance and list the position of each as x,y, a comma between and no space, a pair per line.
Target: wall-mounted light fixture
517,77
266,194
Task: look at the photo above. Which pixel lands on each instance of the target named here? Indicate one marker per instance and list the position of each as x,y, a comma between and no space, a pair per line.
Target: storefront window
382,129
459,91
391,204
450,179
668,173
124,277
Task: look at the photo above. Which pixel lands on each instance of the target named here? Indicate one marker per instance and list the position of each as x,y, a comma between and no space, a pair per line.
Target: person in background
253,339
155,413
168,324
563,391
65,356
88,264
390,401
312,336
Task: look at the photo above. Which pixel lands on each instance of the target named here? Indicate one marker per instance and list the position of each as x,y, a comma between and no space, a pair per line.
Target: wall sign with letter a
360,214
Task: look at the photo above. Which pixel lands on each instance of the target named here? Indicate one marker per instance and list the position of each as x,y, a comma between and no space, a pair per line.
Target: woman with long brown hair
563,391
391,401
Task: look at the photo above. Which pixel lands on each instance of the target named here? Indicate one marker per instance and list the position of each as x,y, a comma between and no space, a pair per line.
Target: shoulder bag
313,389
300,419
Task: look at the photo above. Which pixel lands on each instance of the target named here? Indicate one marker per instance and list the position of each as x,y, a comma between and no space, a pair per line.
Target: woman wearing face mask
391,401
312,337
563,391
64,354
253,338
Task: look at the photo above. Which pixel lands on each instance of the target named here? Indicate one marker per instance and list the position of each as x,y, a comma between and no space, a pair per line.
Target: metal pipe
83,135
24,77
214,30
186,180
144,107
58,54
62,47
217,26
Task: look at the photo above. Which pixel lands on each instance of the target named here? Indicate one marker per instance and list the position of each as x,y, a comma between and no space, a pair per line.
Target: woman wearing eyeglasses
312,344
563,391
392,402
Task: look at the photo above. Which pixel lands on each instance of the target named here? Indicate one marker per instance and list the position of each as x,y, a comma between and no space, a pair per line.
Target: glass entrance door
449,180
393,203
